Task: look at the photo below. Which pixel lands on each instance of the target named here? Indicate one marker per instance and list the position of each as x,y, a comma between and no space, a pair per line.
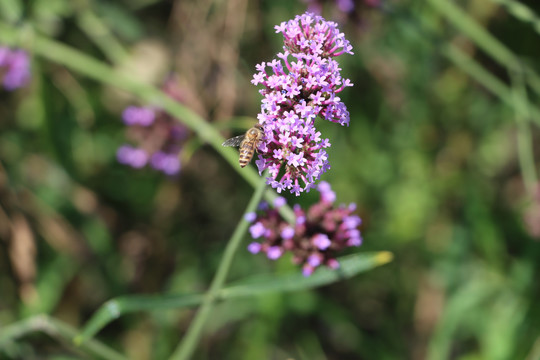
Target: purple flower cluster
159,137
14,68
316,237
303,83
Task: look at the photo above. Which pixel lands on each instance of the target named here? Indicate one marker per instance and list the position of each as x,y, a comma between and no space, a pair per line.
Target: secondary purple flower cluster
316,237
14,68
303,83
159,137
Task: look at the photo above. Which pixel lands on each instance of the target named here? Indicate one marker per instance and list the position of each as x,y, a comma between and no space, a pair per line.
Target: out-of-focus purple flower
134,115
250,217
169,163
301,84
134,157
355,11
327,195
314,240
279,201
161,136
14,68
345,5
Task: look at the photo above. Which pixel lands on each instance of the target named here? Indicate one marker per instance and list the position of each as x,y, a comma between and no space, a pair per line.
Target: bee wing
235,141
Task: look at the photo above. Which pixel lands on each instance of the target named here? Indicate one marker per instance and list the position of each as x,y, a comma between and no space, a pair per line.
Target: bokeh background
439,156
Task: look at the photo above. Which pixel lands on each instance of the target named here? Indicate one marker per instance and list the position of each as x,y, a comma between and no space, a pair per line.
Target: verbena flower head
318,235
14,68
159,138
299,86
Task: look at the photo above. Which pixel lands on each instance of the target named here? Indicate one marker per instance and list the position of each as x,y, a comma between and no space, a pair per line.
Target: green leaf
114,308
350,266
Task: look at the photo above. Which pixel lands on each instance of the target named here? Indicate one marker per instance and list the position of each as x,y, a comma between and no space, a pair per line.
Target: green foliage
441,158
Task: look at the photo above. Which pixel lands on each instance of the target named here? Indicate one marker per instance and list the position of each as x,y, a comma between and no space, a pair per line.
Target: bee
249,142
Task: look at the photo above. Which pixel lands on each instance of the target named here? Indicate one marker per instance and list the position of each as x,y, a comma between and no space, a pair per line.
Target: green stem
189,342
56,329
85,65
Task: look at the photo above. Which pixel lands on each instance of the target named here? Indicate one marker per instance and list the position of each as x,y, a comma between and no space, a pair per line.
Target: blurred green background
439,157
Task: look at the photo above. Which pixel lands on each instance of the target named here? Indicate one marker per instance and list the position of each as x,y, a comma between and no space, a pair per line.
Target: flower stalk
191,338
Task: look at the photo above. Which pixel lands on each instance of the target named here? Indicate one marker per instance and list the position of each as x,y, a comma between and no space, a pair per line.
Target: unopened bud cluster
315,239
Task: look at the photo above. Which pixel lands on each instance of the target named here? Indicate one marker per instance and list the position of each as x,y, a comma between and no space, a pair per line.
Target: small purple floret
254,247
307,270
257,230
274,252
287,233
314,260
250,217
321,241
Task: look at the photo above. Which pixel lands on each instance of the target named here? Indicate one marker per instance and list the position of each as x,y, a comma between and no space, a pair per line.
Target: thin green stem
188,344
58,330
99,32
88,66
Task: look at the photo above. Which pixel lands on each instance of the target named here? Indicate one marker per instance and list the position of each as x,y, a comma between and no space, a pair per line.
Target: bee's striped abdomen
247,149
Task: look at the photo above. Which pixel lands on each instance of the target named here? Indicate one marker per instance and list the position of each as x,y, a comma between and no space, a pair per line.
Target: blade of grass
56,329
488,80
115,308
93,26
351,265
487,42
